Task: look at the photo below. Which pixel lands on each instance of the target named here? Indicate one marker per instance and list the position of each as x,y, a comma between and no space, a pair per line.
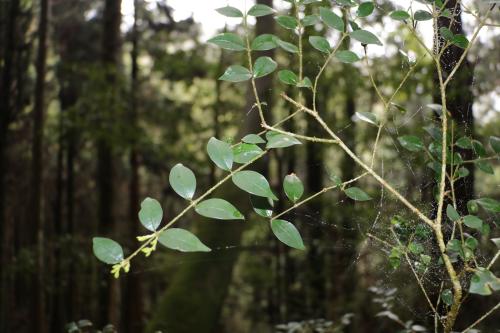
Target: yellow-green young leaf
218,209
253,138
489,204
182,240
473,222
399,15
150,214
289,47
368,117
452,213
347,56
287,22
484,282
183,181
228,41
331,19
357,194
293,187
260,10
220,153
254,183
262,206
236,73
422,15
230,11
288,77
287,233
411,142
278,140
245,152
320,43
495,144
107,250
365,9
264,66
264,42
365,37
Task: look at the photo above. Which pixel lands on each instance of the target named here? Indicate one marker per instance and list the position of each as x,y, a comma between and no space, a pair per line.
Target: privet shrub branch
459,250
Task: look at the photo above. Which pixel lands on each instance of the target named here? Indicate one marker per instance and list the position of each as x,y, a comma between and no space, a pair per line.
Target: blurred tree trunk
9,16
37,169
200,280
111,43
133,292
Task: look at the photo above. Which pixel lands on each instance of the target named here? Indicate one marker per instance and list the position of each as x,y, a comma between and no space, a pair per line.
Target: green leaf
489,204
368,117
446,33
310,20
473,222
236,73
150,214
496,241
485,167
365,9
289,47
220,153
331,19
357,194
478,148
347,56
447,297
422,15
287,233
230,11
460,41
107,250
463,172
293,187
228,41
260,10
365,37
218,209
264,66
454,245
182,240
254,183
288,77
495,144
411,142
464,143
415,248
264,42
399,15
262,206
182,181
278,140
472,206
320,43
452,213
484,282
305,83
471,243
287,22
253,138
245,152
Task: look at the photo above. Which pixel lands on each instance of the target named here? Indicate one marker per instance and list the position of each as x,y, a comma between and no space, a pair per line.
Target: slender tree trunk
105,175
37,167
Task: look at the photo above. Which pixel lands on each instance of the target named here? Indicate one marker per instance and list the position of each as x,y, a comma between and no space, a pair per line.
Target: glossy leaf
288,77
357,194
368,117
473,222
347,56
260,10
452,213
230,11
278,140
289,47
107,250
254,183
365,9
399,15
218,209
293,187
262,206
150,214
365,37
182,240
228,41
183,181
320,43
331,19
253,138
220,153
411,142
464,143
287,233
264,42
245,152
264,66
236,73
287,22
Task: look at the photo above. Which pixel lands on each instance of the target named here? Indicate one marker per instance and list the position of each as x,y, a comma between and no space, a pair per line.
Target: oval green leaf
182,240
473,222
368,117
365,9
183,181
489,204
107,250
365,37
228,41
253,138
399,15
422,15
264,42
278,140
220,153
320,43
495,144
229,11
287,22
150,214
357,194
452,213
262,206
331,19
288,77
411,142
236,73
260,10
245,152
264,66
287,233
293,187
289,47
347,56
254,183
218,209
